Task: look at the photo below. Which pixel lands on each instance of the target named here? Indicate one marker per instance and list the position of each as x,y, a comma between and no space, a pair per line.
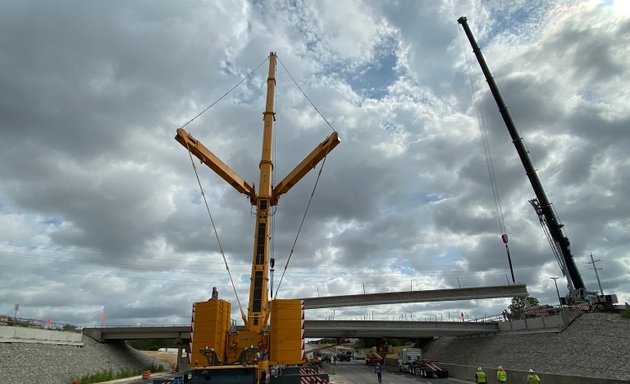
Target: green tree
519,303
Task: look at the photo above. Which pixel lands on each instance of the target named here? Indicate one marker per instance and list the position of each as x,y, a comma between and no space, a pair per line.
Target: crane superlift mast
558,240
269,348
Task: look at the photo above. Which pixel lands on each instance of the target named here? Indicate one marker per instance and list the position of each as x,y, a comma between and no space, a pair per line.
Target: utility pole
596,274
557,290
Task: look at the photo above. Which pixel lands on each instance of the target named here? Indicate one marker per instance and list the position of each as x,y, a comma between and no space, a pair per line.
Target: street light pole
557,291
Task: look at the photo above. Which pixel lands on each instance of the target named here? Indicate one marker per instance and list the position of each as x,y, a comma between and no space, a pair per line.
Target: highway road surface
356,372
352,372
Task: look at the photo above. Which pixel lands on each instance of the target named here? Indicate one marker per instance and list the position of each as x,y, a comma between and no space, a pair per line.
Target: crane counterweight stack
272,337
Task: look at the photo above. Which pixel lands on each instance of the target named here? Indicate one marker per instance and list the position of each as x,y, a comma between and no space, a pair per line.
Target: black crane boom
554,226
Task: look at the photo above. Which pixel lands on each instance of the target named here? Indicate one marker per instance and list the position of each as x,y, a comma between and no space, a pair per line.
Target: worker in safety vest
501,375
532,378
480,376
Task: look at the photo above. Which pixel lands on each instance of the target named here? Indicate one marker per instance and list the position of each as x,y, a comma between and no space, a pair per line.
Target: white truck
407,357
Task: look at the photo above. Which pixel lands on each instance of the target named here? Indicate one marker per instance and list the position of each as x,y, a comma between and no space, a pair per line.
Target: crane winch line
475,84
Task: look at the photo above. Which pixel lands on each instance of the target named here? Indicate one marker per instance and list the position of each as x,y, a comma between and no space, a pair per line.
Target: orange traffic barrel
146,374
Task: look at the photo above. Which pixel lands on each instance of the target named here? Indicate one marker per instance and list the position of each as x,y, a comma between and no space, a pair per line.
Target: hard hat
499,367
479,369
531,370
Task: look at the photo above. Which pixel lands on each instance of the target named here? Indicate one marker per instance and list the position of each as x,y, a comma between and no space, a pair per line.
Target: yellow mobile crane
269,348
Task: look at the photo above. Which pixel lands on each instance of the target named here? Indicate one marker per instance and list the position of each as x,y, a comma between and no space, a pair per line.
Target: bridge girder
453,294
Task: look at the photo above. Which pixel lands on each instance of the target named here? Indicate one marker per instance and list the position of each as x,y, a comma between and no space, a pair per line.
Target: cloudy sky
100,211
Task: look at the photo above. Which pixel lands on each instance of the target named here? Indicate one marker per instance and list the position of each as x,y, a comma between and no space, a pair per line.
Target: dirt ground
168,357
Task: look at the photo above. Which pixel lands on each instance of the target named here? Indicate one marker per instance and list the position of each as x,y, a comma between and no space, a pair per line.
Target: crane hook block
504,237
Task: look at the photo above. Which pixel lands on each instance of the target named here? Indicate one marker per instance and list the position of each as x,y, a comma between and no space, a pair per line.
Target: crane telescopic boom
546,209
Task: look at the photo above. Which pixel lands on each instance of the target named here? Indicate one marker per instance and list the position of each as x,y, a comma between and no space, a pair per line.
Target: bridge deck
315,329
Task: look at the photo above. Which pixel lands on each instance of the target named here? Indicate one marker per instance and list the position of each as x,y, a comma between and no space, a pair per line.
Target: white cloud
98,200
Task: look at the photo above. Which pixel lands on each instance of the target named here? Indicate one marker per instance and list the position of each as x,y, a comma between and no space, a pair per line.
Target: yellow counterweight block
287,332
209,329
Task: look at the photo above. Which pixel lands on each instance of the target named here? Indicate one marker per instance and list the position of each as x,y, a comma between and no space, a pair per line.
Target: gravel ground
594,345
22,363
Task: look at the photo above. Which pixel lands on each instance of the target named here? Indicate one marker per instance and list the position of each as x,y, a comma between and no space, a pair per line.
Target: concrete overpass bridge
314,329
395,329
351,328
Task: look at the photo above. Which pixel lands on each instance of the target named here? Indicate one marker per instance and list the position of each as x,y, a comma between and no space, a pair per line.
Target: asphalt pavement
356,372
352,372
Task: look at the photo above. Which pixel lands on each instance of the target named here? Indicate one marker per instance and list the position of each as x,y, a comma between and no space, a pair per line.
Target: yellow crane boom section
211,160
306,165
213,317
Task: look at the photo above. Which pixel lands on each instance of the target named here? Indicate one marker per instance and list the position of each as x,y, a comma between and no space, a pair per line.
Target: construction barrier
146,374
